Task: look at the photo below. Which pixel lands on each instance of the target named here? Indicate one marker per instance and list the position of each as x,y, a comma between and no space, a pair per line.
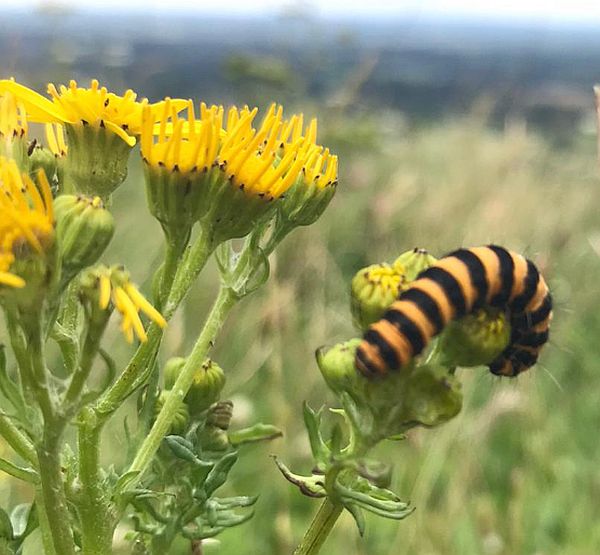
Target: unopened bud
475,339
84,230
373,290
411,263
181,419
337,366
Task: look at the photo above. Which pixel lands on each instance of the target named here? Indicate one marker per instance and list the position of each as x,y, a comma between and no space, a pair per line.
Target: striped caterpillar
458,284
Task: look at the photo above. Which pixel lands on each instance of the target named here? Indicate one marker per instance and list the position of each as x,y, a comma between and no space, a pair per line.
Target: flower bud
84,230
475,339
337,366
209,380
213,436
172,370
411,263
42,158
182,414
373,290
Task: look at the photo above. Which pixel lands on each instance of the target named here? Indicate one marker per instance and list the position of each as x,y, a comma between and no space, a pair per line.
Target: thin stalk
319,528
17,440
223,304
25,474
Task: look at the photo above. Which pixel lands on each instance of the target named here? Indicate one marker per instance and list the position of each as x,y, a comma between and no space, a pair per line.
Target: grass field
516,473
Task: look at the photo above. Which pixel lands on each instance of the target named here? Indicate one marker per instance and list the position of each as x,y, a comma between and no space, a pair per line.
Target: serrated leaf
258,432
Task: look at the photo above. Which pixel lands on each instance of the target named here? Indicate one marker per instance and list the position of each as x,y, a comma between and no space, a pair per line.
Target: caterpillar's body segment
458,284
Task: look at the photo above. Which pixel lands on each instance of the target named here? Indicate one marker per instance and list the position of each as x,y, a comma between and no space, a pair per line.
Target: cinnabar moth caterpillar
460,283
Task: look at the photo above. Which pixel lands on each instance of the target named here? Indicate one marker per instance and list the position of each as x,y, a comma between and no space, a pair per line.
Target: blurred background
456,123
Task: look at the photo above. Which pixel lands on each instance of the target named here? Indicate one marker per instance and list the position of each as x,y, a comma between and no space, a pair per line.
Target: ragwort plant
211,177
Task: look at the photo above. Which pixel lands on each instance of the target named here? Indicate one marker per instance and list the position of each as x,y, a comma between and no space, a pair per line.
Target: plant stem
55,501
319,528
44,524
94,506
223,304
25,474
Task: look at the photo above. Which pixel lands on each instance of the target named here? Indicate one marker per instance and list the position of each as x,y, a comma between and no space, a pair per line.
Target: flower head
221,168
26,219
111,288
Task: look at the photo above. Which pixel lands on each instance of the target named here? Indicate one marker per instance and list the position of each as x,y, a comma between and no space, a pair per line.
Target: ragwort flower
26,222
101,129
220,169
13,129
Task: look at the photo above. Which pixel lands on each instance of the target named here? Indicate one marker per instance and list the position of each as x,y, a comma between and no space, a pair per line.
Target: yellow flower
263,161
113,286
26,218
94,106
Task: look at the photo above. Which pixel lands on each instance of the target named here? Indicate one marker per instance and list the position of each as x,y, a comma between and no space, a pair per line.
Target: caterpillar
460,283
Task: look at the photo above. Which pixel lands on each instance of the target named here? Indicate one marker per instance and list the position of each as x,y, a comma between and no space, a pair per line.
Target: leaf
312,421
8,388
258,432
33,545
358,516
182,449
218,475
23,519
311,486
124,480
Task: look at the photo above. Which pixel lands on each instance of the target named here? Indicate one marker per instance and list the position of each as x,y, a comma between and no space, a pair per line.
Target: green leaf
358,516
124,481
218,475
182,449
33,544
311,486
312,422
258,432
23,519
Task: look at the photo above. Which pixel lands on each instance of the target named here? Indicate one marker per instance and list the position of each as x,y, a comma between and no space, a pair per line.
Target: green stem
44,524
17,439
319,528
223,304
55,501
175,247
94,505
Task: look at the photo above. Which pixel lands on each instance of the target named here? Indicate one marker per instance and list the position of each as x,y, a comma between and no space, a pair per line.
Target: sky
526,10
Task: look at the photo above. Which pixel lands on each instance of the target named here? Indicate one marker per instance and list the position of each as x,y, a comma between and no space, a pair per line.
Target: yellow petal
39,109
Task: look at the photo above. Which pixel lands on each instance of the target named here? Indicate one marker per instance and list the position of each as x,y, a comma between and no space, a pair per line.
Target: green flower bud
182,415
475,339
337,366
373,290
411,263
172,370
84,229
42,158
96,163
209,380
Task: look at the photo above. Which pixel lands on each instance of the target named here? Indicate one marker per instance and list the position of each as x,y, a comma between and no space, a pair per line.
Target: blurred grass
516,472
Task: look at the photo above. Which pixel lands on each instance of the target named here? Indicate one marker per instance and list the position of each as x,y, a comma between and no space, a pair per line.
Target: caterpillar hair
458,284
